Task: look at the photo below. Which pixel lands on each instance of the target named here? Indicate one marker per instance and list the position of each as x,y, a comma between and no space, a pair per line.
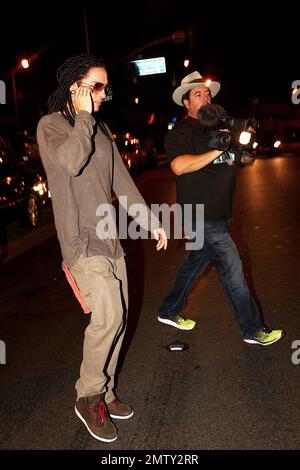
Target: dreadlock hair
73,69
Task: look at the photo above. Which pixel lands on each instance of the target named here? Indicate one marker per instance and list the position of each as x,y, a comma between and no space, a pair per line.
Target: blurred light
40,188
277,144
25,63
170,126
186,63
255,144
245,138
174,119
151,118
178,37
136,100
208,82
108,97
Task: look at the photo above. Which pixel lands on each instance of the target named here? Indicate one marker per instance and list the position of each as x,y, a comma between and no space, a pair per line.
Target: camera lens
224,139
218,139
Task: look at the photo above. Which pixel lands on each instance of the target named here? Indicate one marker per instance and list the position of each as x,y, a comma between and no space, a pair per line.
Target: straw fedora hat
193,80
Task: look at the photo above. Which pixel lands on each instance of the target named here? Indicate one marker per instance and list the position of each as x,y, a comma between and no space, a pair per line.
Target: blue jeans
219,250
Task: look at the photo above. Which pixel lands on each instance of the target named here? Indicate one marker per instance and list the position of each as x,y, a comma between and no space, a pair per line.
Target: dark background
253,53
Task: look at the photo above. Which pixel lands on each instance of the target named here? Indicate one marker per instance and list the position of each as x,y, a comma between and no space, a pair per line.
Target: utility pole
25,65
13,80
86,30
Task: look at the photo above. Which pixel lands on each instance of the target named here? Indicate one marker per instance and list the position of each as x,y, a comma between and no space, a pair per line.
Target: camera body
225,132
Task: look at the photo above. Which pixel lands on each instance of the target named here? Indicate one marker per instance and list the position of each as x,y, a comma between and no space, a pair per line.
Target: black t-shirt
214,184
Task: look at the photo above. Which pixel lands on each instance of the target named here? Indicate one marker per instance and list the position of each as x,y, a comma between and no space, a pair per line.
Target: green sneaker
265,337
179,322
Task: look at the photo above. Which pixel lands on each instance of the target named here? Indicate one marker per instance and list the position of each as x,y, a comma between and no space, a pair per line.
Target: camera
225,132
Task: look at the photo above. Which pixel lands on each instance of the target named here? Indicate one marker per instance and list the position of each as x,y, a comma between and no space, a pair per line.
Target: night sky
253,54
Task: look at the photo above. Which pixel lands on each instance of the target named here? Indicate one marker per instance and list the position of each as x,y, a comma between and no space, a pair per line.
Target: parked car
23,184
269,143
131,152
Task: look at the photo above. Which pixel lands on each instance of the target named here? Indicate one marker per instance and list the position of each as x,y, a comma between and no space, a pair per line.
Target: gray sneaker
93,413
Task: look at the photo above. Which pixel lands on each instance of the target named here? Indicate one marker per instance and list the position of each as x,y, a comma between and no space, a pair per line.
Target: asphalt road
220,393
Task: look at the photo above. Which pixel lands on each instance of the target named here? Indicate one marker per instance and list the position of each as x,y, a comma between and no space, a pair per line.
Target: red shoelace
100,409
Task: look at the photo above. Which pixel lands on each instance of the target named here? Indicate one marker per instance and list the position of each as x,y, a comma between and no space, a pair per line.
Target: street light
25,65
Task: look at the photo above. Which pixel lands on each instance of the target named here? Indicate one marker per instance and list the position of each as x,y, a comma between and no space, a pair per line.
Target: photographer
207,176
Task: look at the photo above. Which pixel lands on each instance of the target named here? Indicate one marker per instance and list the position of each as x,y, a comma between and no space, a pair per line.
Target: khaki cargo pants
103,285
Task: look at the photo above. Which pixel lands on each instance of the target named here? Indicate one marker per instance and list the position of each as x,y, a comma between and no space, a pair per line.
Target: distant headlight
277,144
40,188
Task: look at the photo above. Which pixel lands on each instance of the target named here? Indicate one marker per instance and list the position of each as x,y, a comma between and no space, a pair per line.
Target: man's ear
186,103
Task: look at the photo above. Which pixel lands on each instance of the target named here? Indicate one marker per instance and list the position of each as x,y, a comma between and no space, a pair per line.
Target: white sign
150,66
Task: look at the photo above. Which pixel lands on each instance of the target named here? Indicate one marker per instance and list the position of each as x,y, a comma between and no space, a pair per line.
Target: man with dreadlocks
83,166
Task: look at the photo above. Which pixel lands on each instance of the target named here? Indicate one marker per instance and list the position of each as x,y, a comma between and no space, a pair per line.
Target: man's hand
248,156
247,160
161,236
83,100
